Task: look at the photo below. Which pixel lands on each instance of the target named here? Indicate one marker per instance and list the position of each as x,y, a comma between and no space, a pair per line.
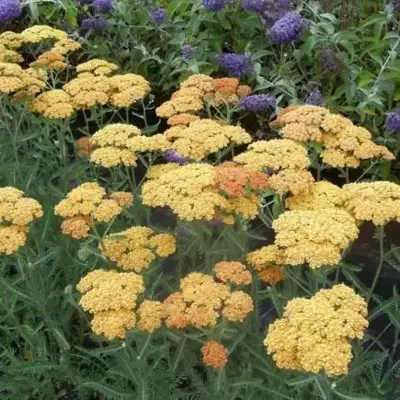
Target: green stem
380,232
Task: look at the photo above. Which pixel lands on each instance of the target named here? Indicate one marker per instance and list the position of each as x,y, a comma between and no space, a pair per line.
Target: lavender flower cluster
9,10
215,5
235,64
269,10
330,61
288,29
188,52
258,103
314,98
158,15
96,24
393,121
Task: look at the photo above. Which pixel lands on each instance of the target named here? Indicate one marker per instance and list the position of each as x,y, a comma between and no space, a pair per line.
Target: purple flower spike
188,52
173,157
314,98
392,122
235,64
258,103
288,29
9,10
95,24
158,15
330,61
269,10
102,6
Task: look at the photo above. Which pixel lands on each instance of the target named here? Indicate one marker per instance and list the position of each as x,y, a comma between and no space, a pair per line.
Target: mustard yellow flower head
124,199
321,195
10,78
9,56
49,60
88,91
274,154
291,181
135,248
34,80
378,202
245,206
38,33
180,105
187,190
316,237
11,40
175,311
205,137
111,156
53,104
215,355
113,323
12,237
104,290
78,227
156,171
199,81
151,314
96,67
127,89
237,306
314,334
65,46
182,119
232,272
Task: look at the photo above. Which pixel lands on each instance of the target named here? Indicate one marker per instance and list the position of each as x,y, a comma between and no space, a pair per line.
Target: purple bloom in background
392,122
102,6
188,52
258,102
269,10
95,24
158,15
214,5
288,29
84,2
330,61
9,10
314,98
235,64
173,157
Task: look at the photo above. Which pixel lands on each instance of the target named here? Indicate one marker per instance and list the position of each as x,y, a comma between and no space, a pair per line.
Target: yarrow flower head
392,122
188,52
258,103
314,334
94,24
314,98
215,355
288,29
235,64
102,6
9,10
158,15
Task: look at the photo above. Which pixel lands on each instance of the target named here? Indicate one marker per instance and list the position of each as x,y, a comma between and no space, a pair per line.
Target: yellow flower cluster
232,272
193,193
151,315
197,89
314,334
38,33
322,195
286,158
204,137
65,46
9,55
116,144
267,262
201,301
135,248
345,144
111,298
49,60
16,212
215,355
316,237
86,204
96,67
53,104
378,202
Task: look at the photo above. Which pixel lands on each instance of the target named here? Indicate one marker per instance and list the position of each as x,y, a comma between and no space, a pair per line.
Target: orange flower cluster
189,100
135,248
215,355
201,301
232,272
16,213
87,204
344,144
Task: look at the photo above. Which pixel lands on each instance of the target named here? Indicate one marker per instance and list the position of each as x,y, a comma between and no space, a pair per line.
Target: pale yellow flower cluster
8,55
53,104
117,144
201,301
136,248
314,334
189,99
378,202
65,46
16,212
204,137
191,191
316,237
232,272
96,67
87,204
344,144
287,161
267,262
111,297
38,33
